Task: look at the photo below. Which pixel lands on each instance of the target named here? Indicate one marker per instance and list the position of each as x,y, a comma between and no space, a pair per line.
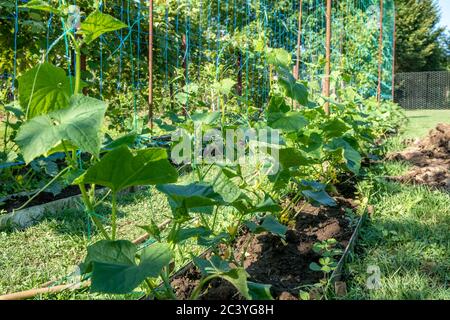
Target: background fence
423,90
197,43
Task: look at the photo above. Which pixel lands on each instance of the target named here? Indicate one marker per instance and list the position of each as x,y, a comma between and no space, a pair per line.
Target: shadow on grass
419,117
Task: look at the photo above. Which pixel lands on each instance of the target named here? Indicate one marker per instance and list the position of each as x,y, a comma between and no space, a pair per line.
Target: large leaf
293,88
270,224
182,235
288,122
279,57
216,266
277,103
43,89
213,240
335,128
127,140
227,188
205,117
315,192
114,267
192,196
265,205
351,157
98,23
121,168
244,205
291,157
320,197
40,5
259,291
79,124
224,86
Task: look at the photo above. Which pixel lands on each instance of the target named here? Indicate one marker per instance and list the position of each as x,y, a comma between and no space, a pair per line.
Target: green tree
418,35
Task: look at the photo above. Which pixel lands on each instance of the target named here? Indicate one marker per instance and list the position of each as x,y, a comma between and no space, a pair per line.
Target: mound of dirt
430,158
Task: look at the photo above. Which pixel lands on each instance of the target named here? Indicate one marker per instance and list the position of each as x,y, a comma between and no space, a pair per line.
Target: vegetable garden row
259,203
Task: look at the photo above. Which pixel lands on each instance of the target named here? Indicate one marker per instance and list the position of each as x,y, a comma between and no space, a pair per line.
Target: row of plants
40,31
315,151
181,81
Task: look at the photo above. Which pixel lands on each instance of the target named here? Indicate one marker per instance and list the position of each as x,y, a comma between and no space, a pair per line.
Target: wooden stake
150,63
239,75
380,53
326,86
299,42
393,55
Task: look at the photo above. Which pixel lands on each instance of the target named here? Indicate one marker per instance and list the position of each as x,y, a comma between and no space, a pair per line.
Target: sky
445,13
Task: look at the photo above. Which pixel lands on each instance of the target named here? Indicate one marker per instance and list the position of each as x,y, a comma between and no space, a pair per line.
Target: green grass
421,121
48,250
51,249
408,236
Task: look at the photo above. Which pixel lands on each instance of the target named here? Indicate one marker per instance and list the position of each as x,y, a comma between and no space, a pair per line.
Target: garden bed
16,201
282,264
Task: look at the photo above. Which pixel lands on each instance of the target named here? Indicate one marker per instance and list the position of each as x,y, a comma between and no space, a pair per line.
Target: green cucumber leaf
121,168
79,124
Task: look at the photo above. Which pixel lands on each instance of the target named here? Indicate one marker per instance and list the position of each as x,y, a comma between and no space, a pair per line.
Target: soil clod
430,159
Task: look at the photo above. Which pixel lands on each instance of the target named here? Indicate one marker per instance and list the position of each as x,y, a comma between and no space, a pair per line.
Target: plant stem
216,209
5,139
195,294
165,278
90,209
77,68
43,188
77,48
151,287
114,216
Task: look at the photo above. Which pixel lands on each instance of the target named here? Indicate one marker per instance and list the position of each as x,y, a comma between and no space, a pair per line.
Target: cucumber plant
201,202
60,119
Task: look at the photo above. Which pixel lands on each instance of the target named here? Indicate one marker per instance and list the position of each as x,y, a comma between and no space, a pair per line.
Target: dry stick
239,74
49,287
326,87
299,42
150,63
34,292
380,53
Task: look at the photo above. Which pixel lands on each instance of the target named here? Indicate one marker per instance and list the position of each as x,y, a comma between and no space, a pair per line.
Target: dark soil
430,158
45,197
284,266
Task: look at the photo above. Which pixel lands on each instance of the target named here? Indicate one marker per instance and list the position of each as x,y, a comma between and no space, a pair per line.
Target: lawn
421,121
52,248
407,237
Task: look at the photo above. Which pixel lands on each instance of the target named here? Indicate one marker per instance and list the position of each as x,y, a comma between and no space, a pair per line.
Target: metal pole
393,55
326,86
150,63
380,52
299,42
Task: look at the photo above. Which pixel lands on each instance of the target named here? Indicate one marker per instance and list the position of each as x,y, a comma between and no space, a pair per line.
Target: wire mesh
199,41
423,90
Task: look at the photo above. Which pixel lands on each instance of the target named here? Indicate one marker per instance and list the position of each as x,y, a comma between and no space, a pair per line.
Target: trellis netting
202,48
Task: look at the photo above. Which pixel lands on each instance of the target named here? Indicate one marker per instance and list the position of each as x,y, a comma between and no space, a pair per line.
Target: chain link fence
423,90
